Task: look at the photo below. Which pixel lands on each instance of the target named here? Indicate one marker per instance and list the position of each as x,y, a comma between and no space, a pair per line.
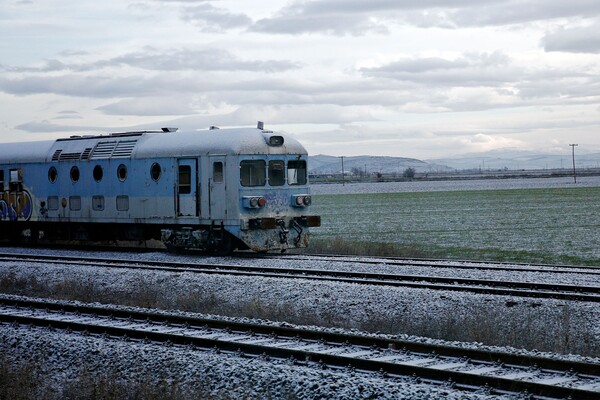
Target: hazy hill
518,159
492,160
324,164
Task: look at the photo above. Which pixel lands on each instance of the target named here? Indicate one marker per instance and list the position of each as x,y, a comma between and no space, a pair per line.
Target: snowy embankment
548,325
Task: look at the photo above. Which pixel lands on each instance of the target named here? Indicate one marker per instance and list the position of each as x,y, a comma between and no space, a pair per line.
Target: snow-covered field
535,325
456,185
551,224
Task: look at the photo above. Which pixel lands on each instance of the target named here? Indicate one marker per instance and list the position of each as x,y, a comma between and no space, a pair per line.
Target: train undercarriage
213,239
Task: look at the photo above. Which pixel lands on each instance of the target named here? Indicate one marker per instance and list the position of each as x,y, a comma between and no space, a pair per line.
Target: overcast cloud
347,77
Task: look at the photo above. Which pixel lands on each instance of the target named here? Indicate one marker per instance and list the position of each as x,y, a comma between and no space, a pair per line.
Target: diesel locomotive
216,190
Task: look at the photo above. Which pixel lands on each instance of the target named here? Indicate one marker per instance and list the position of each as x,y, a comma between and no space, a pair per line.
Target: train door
217,187
187,188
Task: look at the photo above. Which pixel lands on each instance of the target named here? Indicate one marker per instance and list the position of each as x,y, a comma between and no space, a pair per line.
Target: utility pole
574,174
343,180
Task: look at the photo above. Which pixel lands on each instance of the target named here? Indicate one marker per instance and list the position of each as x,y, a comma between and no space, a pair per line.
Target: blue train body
216,190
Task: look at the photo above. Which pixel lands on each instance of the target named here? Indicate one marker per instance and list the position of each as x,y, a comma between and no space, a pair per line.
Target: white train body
218,189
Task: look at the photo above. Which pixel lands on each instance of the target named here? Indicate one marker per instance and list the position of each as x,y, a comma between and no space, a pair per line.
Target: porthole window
122,172
52,175
75,174
155,171
98,173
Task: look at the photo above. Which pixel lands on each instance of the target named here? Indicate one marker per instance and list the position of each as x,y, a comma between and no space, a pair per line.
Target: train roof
152,144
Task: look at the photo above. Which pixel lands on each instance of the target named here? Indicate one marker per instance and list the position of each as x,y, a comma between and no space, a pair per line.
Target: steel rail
443,264
479,286
584,377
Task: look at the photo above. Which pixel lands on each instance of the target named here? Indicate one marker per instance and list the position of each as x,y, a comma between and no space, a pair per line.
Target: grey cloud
574,89
359,17
47,126
294,24
150,106
170,60
205,60
210,18
574,40
522,11
471,70
68,114
96,86
271,115
485,80
242,116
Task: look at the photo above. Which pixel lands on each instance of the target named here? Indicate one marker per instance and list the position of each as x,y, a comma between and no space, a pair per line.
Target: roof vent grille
69,156
86,153
124,149
56,155
103,150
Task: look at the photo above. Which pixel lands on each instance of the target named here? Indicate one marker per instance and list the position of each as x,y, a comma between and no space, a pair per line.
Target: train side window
185,179
297,172
276,172
1,180
155,171
218,172
75,174
97,203
52,174
98,173
52,203
75,203
15,182
122,203
253,173
122,172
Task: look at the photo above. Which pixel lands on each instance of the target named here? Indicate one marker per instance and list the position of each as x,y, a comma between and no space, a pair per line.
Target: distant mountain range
492,160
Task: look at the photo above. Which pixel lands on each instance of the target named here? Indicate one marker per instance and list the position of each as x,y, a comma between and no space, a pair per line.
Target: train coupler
283,234
298,229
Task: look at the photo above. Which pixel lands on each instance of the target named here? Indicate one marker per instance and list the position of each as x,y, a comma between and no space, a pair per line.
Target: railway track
481,286
447,264
467,369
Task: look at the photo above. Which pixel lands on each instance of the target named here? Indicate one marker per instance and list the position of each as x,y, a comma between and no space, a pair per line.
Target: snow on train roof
14,153
215,141
150,144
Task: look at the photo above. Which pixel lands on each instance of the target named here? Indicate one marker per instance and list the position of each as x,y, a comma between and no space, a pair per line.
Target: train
215,190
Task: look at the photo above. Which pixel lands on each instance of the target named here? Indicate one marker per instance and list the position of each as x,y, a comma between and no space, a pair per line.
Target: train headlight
276,141
301,200
254,201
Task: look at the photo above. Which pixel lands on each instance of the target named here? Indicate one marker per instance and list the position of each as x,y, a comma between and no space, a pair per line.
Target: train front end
274,197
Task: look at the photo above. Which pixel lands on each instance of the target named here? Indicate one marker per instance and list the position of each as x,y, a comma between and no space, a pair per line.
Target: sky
422,79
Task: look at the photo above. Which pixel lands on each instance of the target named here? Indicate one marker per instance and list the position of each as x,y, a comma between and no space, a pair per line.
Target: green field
558,225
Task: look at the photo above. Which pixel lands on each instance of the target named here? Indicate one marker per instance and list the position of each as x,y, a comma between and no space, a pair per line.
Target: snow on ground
452,185
469,318
65,356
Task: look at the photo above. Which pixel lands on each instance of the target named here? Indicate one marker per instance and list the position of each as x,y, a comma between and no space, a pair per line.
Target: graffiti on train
15,206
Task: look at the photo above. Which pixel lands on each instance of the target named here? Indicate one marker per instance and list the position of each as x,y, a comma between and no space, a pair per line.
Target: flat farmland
538,225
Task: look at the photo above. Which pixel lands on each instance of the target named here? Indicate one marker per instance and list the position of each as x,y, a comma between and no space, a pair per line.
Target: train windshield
253,173
276,173
296,172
